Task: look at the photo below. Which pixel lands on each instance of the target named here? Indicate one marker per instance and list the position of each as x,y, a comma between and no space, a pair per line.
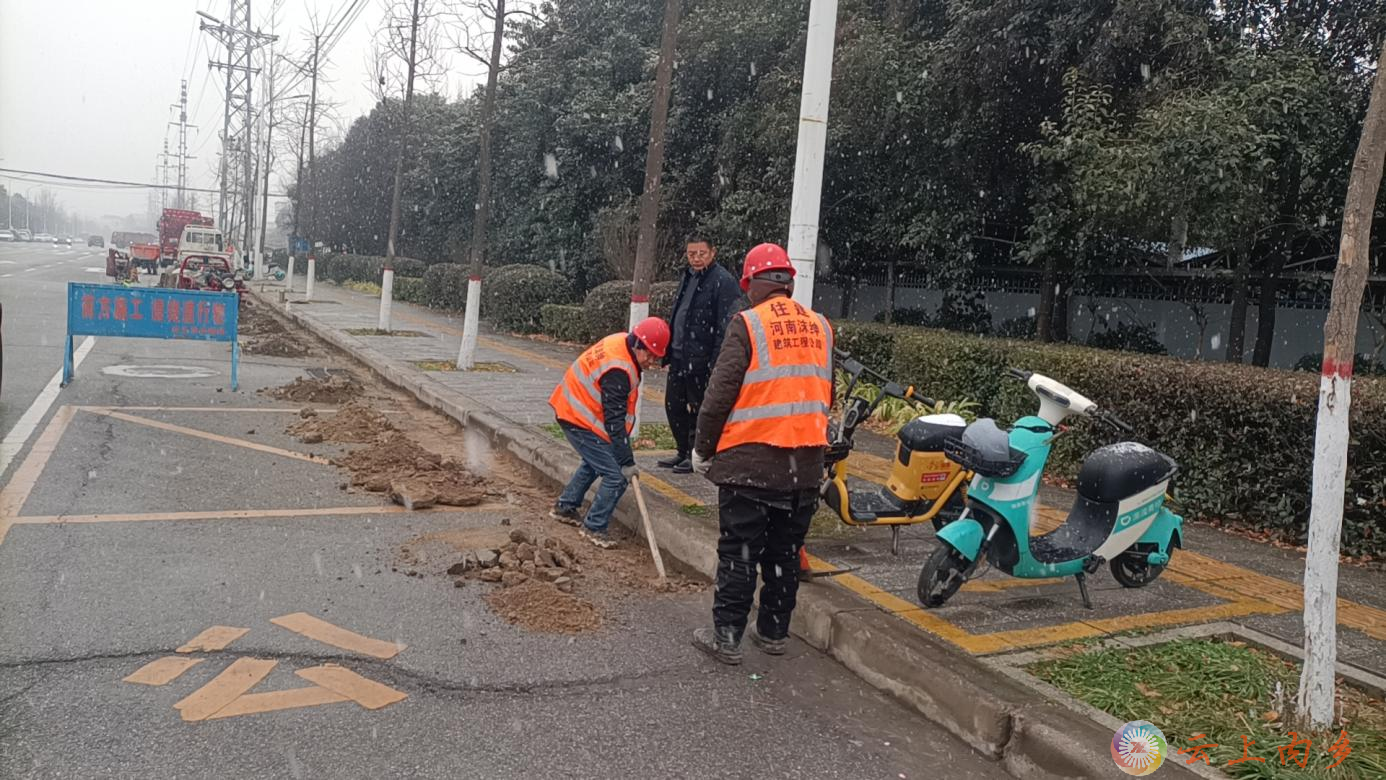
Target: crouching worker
762,434
595,405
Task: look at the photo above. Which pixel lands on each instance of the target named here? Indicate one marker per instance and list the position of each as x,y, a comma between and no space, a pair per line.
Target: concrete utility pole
387,280
312,130
648,236
471,317
1316,689
180,200
813,139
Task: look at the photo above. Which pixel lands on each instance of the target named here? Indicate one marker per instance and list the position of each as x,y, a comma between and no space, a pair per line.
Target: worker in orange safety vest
595,404
761,438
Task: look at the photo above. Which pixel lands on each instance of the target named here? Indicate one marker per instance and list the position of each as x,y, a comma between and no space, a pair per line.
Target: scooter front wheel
942,575
1133,570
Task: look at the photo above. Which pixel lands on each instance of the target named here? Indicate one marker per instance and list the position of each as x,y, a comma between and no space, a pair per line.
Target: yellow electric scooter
924,485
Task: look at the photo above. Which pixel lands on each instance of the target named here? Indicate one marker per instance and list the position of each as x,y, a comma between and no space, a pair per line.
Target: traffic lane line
294,698
248,514
213,639
161,671
322,631
338,679
16,492
216,437
28,422
242,675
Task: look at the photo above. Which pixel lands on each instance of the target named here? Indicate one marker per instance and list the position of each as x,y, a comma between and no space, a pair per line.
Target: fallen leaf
1270,716
1147,691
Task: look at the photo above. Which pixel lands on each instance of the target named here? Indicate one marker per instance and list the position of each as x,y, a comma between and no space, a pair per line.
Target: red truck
171,227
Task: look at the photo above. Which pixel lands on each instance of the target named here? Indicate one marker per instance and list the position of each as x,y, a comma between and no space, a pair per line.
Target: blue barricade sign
151,313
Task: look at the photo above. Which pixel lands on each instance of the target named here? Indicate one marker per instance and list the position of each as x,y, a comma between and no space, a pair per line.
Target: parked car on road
44,238
96,241
62,240
7,235
23,234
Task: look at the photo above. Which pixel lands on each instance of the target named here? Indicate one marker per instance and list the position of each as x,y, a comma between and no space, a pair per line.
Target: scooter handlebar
1016,373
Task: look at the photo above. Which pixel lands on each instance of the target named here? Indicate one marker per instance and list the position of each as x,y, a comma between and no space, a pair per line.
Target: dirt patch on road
263,334
413,476
539,606
353,423
335,389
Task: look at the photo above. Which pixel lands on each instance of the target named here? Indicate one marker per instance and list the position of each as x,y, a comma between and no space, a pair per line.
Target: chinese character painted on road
1198,751
1297,750
1340,749
1246,755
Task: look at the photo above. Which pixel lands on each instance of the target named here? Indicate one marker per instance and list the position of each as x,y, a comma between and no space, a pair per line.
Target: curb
1024,732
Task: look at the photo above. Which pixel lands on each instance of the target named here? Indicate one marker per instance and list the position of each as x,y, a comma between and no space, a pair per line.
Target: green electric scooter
1119,517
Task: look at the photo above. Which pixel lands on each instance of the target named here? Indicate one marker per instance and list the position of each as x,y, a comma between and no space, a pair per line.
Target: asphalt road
88,601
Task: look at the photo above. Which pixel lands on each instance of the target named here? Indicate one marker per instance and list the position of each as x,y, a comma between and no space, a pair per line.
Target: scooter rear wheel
1132,570
942,575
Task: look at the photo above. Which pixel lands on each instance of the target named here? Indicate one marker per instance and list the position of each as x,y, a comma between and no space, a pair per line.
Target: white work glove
629,472
700,466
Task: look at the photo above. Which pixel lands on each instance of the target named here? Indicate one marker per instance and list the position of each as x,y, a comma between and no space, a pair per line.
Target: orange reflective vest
578,399
788,389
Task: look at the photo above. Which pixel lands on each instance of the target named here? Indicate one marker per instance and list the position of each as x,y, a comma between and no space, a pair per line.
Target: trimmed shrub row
514,295
1243,436
341,268
565,323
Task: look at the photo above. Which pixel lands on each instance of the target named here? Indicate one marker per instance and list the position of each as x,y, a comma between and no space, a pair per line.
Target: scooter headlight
228,283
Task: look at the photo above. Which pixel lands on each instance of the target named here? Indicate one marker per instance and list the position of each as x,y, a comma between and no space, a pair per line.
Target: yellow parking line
216,437
242,675
213,639
338,679
256,703
323,631
677,496
161,671
14,494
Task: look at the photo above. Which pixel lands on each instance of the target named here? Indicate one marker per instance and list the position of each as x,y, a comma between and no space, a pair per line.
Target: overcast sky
86,86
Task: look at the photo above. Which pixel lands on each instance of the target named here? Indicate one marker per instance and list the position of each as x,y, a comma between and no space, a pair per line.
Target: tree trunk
890,293
648,236
1049,292
1315,700
471,318
387,276
1178,237
1266,304
1058,318
1236,328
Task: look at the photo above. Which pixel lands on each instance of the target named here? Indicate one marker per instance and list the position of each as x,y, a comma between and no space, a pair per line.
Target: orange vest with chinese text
578,399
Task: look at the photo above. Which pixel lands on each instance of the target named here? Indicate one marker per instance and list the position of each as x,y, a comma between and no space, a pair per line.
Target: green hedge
343,267
565,323
445,286
409,290
1243,436
662,296
607,308
513,295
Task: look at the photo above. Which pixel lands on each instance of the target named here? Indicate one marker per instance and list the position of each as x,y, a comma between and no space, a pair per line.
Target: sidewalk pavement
1217,577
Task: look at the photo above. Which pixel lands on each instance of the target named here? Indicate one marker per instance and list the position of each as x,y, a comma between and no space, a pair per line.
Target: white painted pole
387,287
289,276
312,275
471,320
813,139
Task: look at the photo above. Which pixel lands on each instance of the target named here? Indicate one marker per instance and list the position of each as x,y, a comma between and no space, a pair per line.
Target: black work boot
671,461
720,643
767,646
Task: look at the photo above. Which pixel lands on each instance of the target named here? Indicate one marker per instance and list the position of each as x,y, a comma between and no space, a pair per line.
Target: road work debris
354,423
335,389
541,606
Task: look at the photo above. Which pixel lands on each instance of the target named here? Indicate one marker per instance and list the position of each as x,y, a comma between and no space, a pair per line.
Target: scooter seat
928,433
1122,470
1088,525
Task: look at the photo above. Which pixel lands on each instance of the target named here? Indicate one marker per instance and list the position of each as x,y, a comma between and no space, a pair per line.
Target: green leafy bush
1243,436
1128,337
409,268
607,308
565,323
445,286
409,290
872,345
662,295
512,295
341,267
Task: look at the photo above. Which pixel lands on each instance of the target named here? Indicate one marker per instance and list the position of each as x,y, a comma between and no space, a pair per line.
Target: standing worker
706,300
762,434
595,404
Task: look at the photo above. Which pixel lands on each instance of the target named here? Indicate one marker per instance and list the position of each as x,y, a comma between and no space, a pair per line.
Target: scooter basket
969,458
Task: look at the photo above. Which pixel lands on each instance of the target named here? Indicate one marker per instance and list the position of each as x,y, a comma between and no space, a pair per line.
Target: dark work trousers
683,396
765,528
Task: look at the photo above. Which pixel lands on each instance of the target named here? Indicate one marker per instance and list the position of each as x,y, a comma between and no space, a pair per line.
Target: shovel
649,530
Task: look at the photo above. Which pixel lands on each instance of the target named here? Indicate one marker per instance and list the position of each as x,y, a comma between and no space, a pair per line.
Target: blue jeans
597,461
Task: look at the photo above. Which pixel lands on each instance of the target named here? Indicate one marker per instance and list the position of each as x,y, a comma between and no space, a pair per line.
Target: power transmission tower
163,176
237,173
180,200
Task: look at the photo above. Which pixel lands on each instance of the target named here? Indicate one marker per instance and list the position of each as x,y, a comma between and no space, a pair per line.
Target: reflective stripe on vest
786,395
578,398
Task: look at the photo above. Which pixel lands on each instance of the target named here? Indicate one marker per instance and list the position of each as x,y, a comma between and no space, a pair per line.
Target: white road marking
5,276
22,430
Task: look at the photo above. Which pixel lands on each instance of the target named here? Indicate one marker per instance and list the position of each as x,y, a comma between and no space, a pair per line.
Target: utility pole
813,139
312,130
163,176
181,200
471,316
1316,696
648,235
387,278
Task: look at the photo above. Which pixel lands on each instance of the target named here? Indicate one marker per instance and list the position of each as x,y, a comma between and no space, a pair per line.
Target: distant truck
183,232
122,239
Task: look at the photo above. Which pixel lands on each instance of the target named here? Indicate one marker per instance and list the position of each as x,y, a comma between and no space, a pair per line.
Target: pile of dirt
354,423
255,322
414,477
335,389
277,345
525,557
539,606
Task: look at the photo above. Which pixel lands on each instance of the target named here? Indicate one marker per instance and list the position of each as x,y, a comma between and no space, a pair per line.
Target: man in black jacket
707,299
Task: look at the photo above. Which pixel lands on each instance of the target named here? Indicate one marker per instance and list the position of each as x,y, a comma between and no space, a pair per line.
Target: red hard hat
765,257
653,333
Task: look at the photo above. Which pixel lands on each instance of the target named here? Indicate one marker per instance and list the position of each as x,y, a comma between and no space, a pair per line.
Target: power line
21,174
